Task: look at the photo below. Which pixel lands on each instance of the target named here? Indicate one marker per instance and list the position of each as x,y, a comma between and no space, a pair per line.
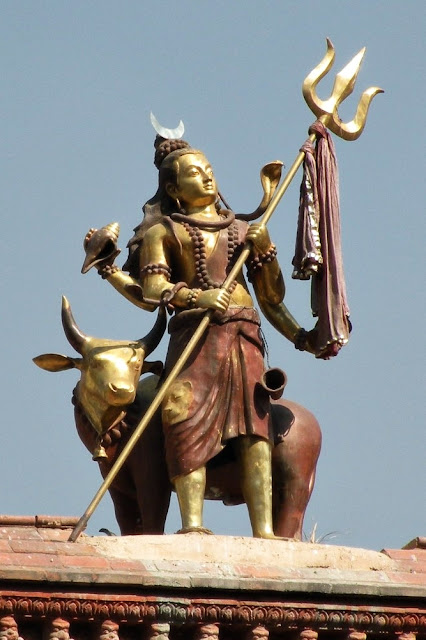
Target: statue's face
196,184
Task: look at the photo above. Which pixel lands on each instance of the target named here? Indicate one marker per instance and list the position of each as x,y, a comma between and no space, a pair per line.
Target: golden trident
326,111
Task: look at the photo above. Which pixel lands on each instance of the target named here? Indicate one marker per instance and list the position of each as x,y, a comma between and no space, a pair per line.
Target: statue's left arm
265,274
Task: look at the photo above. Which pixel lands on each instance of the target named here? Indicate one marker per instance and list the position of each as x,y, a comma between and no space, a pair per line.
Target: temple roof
198,587
35,549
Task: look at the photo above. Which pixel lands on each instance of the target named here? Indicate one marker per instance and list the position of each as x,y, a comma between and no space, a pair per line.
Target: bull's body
141,491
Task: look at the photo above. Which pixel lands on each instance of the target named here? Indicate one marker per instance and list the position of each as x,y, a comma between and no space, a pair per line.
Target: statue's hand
311,340
217,299
259,237
307,340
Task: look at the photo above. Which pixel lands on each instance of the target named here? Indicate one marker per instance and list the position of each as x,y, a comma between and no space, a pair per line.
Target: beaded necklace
193,228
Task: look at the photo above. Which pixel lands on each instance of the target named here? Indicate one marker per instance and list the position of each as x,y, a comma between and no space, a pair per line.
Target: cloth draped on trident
318,251
326,112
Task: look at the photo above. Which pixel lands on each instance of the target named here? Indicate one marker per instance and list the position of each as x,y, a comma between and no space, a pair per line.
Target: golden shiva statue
226,434
180,256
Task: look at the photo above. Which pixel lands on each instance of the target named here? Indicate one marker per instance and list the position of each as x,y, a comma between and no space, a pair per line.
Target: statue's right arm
156,267
129,288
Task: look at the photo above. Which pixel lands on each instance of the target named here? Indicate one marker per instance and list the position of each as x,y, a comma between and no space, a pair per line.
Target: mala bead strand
256,263
200,255
233,244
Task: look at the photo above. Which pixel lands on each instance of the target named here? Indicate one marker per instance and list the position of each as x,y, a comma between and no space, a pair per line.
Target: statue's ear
55,362
171,190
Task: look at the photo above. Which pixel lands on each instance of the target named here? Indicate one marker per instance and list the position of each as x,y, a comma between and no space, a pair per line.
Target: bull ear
55,362
153,367
153,338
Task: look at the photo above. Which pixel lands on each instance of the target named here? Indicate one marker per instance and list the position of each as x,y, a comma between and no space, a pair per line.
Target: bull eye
135,359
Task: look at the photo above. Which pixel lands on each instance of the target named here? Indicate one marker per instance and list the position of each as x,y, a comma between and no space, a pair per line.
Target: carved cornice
130,610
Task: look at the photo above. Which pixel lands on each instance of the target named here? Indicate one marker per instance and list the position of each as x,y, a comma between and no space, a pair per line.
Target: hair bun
164,146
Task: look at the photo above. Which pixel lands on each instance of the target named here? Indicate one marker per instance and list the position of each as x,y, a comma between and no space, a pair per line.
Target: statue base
194,586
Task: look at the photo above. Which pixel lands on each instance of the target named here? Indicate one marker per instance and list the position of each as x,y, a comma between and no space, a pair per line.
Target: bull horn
75,337
153,338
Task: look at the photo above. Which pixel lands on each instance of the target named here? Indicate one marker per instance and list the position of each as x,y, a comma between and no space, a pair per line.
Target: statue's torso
217,247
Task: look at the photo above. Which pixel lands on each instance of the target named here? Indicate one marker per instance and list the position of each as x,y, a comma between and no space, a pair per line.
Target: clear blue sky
78,82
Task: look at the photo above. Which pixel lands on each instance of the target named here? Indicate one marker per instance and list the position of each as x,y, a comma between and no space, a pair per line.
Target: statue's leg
190,490
256,483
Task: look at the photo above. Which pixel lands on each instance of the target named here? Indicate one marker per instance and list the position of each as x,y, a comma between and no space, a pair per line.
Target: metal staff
326,111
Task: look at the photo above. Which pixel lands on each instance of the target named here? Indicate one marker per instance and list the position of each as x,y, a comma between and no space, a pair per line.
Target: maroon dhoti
220,385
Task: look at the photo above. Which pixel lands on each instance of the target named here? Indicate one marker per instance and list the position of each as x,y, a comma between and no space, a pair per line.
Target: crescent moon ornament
167,133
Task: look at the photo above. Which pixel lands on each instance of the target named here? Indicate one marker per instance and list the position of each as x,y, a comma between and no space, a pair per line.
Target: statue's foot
195,530
271,536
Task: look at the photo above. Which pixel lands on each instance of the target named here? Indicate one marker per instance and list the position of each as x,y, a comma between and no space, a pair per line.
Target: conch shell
100,245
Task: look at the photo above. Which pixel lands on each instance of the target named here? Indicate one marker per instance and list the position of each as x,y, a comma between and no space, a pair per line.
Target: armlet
156,269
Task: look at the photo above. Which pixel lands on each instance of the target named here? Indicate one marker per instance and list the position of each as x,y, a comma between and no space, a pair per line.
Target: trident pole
326,111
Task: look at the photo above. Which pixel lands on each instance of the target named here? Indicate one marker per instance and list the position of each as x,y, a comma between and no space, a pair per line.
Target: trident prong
326,110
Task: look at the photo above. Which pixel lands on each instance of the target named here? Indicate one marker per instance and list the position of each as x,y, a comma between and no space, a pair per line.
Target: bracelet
107,270
256,263
300,340
191,298
168,295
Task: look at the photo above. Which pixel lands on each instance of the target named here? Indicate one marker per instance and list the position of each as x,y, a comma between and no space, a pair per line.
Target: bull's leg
150,479
153,499
123,495
126,512
291,494
294,462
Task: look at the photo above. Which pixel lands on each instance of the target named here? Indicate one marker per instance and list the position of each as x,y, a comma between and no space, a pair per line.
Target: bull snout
119,395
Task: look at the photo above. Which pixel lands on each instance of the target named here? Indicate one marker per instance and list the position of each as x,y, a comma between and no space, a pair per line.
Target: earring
179,207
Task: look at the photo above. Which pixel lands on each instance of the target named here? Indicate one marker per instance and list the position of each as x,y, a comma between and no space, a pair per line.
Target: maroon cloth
318,250
226,398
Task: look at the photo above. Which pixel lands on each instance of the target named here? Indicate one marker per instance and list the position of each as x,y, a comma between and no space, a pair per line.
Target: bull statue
109,401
